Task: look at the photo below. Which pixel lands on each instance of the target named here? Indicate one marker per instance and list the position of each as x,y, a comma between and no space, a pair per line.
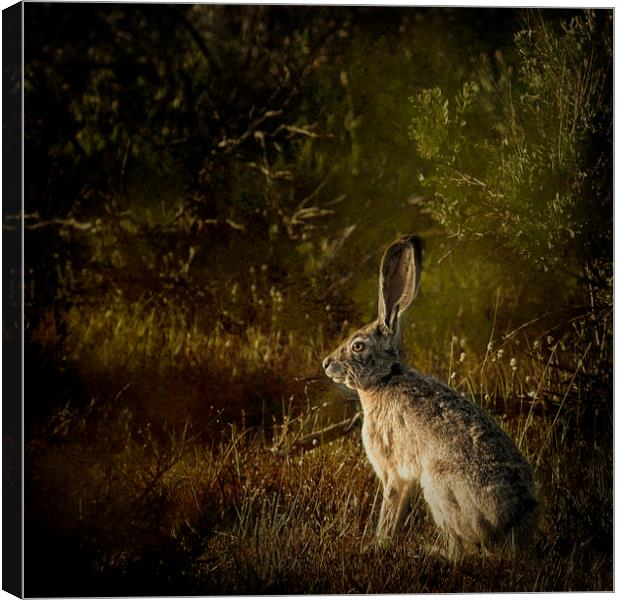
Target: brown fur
418,431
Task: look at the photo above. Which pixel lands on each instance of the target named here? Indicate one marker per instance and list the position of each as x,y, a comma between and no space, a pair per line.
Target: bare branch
32,221
328,434
307,131
229,144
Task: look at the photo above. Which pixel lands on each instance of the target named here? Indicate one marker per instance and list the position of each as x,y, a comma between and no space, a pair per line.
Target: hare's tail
520,530
525,523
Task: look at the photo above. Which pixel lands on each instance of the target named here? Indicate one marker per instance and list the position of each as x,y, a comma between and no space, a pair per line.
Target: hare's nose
326,362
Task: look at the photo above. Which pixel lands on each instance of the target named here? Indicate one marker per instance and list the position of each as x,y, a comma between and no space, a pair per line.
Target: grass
156,467
177,312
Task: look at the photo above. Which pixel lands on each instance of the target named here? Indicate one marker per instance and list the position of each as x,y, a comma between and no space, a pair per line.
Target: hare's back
476,482
463,436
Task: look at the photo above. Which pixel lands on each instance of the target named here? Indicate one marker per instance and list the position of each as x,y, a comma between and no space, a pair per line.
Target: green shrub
522,153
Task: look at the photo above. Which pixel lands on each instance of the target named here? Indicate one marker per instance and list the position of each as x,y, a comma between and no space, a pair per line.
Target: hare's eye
357,346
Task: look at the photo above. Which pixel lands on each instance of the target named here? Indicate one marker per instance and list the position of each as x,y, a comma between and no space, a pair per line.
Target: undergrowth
203,224
165,479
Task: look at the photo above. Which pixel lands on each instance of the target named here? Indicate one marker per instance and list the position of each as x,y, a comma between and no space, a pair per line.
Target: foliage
523,154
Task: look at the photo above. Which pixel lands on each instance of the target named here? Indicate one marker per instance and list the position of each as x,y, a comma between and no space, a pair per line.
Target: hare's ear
399,279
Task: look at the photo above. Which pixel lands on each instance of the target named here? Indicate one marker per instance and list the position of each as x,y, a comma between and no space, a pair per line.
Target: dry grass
163,479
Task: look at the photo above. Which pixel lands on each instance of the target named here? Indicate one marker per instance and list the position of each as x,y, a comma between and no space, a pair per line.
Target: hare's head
372,353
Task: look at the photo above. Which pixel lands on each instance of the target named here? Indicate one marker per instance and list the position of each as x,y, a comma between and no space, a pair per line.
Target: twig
580,312
228,144
327,434
458,241
228,222
97,224
81,225
124,163
471,180
301,131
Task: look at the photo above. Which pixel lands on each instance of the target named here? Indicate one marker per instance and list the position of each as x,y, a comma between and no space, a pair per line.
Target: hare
416,430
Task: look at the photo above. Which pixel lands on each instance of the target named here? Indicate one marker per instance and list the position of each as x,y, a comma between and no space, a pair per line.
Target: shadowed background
208,192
